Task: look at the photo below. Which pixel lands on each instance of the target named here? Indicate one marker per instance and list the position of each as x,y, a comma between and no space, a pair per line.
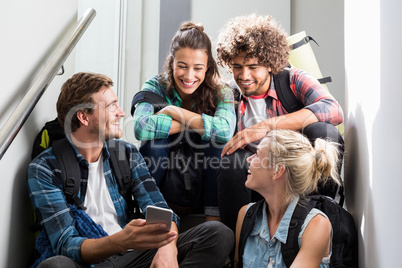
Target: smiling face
253,79
104,121
189,68
260,171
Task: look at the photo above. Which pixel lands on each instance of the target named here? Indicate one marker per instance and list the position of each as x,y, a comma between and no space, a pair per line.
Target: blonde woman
284,170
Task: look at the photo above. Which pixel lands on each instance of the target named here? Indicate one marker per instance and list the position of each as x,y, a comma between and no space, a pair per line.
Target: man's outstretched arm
294,121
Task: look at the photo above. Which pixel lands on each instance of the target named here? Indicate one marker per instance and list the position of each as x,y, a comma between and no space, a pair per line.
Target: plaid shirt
148,126
308,91
45,186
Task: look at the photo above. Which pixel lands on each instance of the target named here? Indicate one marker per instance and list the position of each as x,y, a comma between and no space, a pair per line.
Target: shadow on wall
21,236
358,191
16,209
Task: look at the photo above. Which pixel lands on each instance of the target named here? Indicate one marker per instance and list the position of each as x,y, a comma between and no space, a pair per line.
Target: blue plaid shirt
45,186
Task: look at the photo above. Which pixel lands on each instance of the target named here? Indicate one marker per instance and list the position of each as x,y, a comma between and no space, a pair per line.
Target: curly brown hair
76,93
208,94
259,36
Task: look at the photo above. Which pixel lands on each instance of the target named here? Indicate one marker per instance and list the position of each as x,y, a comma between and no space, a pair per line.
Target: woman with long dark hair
197,102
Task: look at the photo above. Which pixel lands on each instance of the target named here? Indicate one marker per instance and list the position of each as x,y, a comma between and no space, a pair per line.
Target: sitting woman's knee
322,130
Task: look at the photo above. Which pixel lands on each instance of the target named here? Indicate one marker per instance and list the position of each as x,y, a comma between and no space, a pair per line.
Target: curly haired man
255,50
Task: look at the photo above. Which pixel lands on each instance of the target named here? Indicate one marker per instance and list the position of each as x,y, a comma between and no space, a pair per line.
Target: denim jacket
261,251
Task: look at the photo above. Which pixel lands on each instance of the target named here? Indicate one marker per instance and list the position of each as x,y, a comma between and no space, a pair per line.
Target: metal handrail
17,119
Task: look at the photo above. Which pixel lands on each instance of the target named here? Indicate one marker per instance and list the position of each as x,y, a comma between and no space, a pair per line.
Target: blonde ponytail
304,164
326,158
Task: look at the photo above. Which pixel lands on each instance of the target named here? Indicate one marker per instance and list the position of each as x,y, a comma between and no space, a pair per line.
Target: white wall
98,50
323,20
373,144
29,29
141,51
214,14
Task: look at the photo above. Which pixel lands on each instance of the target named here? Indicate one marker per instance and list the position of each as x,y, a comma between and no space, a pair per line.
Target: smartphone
159,215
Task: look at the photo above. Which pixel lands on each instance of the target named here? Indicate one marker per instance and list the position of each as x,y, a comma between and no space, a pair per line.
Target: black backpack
182,186
71,174
53,135
344,240
51,131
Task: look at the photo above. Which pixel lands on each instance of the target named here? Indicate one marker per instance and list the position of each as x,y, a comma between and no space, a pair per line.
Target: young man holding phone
87,108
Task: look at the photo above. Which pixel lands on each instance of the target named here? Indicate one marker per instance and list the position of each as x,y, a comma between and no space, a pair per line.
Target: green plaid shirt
218,128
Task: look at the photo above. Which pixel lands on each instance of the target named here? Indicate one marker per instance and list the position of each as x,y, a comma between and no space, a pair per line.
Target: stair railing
17,119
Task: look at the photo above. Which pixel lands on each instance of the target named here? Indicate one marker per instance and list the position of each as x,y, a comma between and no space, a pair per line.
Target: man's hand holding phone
159,215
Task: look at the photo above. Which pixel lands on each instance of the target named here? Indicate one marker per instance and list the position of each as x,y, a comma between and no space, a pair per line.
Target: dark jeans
205,245
232,174
156,155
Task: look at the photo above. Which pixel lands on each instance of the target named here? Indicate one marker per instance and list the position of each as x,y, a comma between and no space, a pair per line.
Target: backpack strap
282,87
235,89
70,170
302,42
291,247
71,173
156,100
247,227
121,167
285,94
325,80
